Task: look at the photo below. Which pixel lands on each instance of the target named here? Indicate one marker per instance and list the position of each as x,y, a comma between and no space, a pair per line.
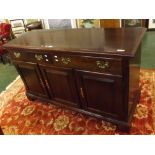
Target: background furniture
34,25
88,23
5,36
93,71
133,23
150,24
110,23
5,31
18,26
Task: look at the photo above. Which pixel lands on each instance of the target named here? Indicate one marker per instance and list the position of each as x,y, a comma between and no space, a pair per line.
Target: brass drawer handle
65,60
17,54
102,64
38,57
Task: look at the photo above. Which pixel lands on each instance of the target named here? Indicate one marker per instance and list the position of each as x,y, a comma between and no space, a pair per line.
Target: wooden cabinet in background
110,23
92,71
18,26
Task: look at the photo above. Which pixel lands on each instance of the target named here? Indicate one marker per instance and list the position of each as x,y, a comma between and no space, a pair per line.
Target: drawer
31,57
98,64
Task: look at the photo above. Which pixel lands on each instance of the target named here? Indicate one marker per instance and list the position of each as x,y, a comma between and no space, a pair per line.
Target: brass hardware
56,60
42,82
102,64
38,57
65,60
47,84
81,92
17,54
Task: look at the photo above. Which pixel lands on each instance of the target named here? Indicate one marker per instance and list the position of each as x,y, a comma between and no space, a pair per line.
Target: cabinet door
99,93
61,85
32,79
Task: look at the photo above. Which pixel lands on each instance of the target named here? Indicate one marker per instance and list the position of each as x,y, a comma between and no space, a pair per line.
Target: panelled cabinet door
100,93
32,79
61,85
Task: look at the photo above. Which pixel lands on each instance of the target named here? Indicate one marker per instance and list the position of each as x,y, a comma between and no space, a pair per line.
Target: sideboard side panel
134,87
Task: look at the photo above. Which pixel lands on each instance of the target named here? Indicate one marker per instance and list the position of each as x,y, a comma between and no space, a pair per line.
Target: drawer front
31,57
98,64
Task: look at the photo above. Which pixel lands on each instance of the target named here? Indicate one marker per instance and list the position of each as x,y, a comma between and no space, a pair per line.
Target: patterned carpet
20,116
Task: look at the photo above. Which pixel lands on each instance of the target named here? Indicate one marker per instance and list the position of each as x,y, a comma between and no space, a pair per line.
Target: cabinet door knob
38,57
17,54
102,64
65,60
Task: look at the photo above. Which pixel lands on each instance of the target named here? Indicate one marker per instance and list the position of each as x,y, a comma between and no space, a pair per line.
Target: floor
148,50
8,73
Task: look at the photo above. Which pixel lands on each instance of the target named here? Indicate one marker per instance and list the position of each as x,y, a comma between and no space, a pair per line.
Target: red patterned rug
20,116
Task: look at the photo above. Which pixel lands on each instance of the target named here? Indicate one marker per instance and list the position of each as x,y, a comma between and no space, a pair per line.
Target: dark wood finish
93,71
100,93
1,132
32,78
60,83
90,63
95,41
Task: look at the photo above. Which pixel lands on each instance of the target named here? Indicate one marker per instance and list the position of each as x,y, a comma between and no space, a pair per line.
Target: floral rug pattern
20,116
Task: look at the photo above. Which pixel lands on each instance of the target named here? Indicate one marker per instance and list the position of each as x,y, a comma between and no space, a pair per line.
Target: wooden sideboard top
117,41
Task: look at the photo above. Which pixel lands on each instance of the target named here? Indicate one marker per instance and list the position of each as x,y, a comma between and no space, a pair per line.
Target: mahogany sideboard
93,71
